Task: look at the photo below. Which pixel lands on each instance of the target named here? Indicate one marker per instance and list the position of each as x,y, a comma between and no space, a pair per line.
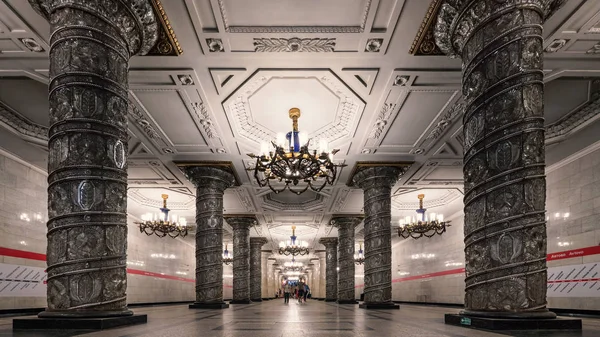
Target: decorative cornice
328,241
23,126
294,44
366,164
167,44
424,42
226,165
448,118
204,119
382,120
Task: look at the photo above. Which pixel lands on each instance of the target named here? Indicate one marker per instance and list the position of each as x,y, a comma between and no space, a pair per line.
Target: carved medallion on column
256,277
501,47
377,182
91,43
211,183
331,276
346,225
241,256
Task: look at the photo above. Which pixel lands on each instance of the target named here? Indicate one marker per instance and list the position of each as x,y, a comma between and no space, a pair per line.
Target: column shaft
87,145
210,183
256,261
331,268
501,46
241,258
345,226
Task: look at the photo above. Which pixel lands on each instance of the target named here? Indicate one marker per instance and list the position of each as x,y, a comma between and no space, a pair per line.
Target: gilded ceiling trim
167,44
424,42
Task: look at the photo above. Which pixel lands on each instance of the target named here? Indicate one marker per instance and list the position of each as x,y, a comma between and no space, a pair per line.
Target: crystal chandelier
359,258
292,162
417,228
293,247
293,266
161,225
227,256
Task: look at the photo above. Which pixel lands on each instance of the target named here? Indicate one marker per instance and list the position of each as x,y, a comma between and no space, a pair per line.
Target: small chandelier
293,263
359,258
161,225
292,162
293,247
417,228
227,256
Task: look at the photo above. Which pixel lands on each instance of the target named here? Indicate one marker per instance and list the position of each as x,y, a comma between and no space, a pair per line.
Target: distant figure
286,293
300,292
306,292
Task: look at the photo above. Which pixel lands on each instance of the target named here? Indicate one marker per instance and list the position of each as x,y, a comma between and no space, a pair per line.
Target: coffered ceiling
344,63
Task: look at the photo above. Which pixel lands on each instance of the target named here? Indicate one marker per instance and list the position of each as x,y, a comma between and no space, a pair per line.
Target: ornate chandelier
417,228
161,225
227,256
292,162
293,247
293,266
359,258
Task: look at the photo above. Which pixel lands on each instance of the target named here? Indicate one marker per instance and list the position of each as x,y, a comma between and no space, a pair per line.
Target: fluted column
377,183
241,256
211,183
256,279
90,45
331,268
345,287
501,46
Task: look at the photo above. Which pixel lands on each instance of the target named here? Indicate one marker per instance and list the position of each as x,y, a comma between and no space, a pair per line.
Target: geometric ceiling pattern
344,63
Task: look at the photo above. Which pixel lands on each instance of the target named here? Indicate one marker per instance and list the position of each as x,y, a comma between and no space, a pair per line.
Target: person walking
286,293
300,292
306,292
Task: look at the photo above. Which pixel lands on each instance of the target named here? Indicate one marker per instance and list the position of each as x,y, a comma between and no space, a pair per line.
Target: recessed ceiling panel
28,97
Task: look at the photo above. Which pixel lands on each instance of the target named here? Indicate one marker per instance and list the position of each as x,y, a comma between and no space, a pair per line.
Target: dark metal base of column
489,323
77,323
257,300
330,299
385,305
321,299
347,302
222,305
239,302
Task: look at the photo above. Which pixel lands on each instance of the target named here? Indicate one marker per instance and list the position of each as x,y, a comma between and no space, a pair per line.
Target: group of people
299,291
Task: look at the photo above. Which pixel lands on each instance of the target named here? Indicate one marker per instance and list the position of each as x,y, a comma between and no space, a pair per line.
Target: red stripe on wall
22,254
436,274
159,275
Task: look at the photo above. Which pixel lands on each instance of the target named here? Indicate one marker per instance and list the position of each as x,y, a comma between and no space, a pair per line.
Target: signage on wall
580,280
22,281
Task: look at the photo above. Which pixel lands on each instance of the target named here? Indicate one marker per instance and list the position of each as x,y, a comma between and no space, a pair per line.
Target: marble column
91,43
331,277
316,284
345,287
377,183
501,47
276,281
211,183
241,257
256,279
323,275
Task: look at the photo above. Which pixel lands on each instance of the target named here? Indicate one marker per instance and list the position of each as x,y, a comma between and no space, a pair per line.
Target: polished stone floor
274,318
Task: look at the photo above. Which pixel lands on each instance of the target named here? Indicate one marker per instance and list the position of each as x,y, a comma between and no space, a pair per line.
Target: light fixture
292,162
359,258
417,228
227,256
293,263
293,247
161,225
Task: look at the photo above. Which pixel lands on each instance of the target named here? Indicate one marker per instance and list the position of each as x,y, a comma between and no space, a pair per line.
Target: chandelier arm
297,192
275,190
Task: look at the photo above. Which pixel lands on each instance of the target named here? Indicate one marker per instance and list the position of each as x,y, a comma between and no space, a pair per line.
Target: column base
321,299
347,302
330,300
257,300
239,302
222,305
65,323
384,305
492,323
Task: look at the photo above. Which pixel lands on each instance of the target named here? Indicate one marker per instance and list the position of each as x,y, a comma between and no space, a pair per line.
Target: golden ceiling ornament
424,42
167,44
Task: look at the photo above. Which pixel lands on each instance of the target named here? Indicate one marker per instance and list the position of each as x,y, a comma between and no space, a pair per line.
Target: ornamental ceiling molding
294,29
293,45
137,196
22,126
167,44
361,165
384,116
446,198
424,42
346,117
269,203
204,119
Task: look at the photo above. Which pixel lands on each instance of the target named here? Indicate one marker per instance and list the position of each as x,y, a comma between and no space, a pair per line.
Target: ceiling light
293,247
417,228
227,256
359,258
161,225
293,163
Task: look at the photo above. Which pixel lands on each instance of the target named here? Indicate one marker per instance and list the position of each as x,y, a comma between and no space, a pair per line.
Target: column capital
258,242
458,19
367,175
241,221
328,242
211,177
135,21
346,220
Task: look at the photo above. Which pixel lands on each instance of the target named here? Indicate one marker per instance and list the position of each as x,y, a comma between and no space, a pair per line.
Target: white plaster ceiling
344,63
